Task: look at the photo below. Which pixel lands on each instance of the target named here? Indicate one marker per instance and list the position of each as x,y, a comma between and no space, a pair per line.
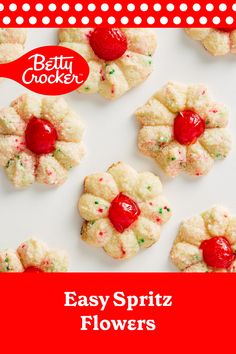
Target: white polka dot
117,7
164,20
59,20
124,20
91,7
131,7
32,20
196,7
190,20
216,20
12,7
177,20
157,7
6,20
52,7
170,7
222,7
183,7
111,20
65,7
234,7
209,7
72,20
137,20
105,7
1,7
229,20
19,20
203,20
78,7
98,20
46,20
144,7
25,7
85,20
150,20
39,7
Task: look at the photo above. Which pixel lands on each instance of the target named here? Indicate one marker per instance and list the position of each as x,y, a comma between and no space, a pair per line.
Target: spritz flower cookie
217,41
183,129
123,210
33,256
119,59
12,42
40,140
206,243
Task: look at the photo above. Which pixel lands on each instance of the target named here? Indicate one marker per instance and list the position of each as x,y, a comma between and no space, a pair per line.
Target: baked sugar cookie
119,59
183,129
206,243
217,41
12,42
123,210
33,256
40,140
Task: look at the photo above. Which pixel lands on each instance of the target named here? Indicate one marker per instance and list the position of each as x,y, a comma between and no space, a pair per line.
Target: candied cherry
40,136
188,127
33,270
123,212
217,252
108,43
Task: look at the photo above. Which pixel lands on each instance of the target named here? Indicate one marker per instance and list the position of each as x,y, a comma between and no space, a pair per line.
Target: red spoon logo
50,70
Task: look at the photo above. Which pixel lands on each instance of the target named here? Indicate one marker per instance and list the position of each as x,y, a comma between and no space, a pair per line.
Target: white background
51,214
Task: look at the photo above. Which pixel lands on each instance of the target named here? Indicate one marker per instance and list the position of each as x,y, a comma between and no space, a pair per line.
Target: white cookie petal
10,52
97,232
215,115
184,255
172,159
217,142
200,267
193,231
198,33
93,208
199,162
197,97
141,40
152,140
122,246
54,261
21,170
173,96
147,232
49,171
125,177
10,262
113,82
92,83
233,41
101,185
135,67
216,220
10,146
231,230
70,128
154,113
27,106
217,42
158,210
69,154
54,109
84,49
11,123
32,253
148,186
77,35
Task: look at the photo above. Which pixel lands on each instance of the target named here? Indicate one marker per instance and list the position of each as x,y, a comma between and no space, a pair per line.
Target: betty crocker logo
50,70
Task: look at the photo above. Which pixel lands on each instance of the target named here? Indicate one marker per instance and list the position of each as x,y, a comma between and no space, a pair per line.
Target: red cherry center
217,252
108,43
188,127
40,136
33,270
123,212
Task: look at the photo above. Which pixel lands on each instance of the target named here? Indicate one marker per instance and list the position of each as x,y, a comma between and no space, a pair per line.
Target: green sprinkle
92,222
112,71
173,158
207,121
96,202
6,260
149,188
87,88
168,209
141,240
149,62
218,156
160,211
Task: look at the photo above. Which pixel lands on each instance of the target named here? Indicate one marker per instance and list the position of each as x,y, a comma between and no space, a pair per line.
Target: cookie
123,210
40,140
33,256
119,59
12,42
217,41
183,129
206,243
